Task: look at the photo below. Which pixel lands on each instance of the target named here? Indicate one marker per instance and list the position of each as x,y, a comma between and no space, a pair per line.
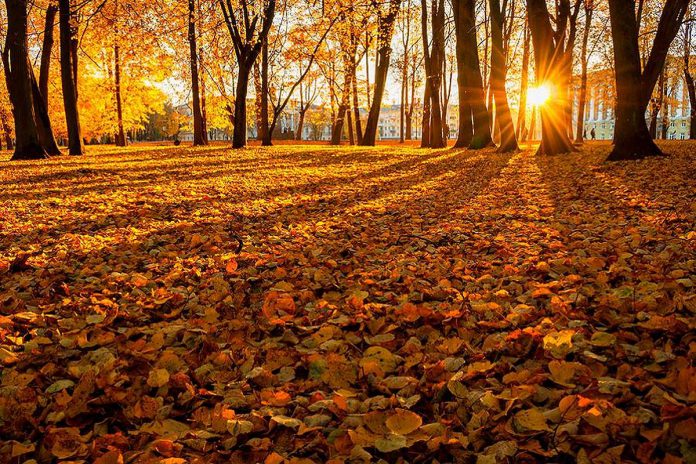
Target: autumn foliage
312,304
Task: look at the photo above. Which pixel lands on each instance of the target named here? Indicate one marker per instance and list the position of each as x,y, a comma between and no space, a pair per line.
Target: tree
198,125
385,28
584,58
524,85
550,57
68,73
635,84
248,41
44,70
689,79
433,58
348,50
508,140
19,78
474,120
308,94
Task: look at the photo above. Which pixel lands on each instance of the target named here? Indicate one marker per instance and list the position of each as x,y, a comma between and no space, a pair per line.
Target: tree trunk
381,71
367,67
633,87
692,104
266,132
582,99
198,131
239,137
44,70
532,124
656,106
300,124
349,127
204,107
385,30
411,106
631,136
404,98
19,76
356,106
120,135
343,108
465,127
433,67
508,141
665,120
550,69
689,79
72,117
6,129
43,120
474,95
425,122
524,85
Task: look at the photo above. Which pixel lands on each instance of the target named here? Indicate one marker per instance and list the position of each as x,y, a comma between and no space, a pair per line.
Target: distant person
593,134
584,133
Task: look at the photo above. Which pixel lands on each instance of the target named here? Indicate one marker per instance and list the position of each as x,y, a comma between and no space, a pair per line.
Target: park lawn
386,302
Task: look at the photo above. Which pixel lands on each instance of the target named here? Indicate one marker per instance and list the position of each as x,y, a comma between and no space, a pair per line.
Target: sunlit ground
389,301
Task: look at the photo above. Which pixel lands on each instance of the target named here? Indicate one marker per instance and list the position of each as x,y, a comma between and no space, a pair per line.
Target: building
673,118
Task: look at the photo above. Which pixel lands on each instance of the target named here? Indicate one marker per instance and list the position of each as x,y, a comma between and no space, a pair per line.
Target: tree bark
549,56
404,97
300,125
266,131
44,70
204,106
239,137
344,105
689,80
582,99
474,94
385,30
411,103
72,118
356,105
19,76
692,104
465,126
633,88
246,52
6,129
425,122
198,129
120,134
433,67
508,141
524,86
656,106
43,120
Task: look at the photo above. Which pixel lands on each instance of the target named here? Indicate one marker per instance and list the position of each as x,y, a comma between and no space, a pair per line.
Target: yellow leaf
559,343
530,420
158,378
390,443
403,422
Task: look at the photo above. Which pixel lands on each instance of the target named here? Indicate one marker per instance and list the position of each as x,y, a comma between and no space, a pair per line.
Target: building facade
673,116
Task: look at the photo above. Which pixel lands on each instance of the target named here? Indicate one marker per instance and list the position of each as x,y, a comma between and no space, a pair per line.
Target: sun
537,96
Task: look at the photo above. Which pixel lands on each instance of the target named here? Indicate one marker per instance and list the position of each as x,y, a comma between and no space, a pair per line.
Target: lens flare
539,95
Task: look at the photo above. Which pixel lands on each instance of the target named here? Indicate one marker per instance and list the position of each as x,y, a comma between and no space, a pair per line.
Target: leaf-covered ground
387,304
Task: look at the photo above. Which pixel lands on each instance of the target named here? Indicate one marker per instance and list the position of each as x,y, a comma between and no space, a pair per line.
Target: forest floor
387,303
